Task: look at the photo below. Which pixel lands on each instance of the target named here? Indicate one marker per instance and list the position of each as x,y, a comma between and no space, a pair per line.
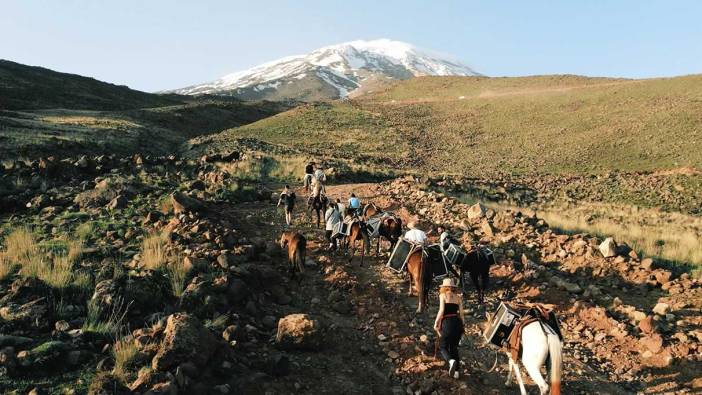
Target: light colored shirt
320,176
354,202
444,240
332,217
416,236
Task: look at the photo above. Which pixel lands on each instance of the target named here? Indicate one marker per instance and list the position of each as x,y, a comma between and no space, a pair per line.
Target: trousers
451,332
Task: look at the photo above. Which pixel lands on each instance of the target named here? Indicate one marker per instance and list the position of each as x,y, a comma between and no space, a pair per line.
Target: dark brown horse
319,204
477,263
357,233
390,227
419,272
297,251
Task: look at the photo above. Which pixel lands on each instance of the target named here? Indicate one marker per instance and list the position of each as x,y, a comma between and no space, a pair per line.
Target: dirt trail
379,346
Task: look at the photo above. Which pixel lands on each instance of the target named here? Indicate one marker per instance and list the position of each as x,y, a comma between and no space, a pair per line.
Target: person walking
287,198
449,324
332,218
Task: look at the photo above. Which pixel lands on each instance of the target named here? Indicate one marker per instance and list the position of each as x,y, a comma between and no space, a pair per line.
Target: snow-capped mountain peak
333,71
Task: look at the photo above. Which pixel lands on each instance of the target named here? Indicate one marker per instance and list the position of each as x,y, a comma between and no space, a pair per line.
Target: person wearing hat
449,324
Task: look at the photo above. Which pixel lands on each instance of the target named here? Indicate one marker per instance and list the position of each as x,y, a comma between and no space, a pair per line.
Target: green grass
529,125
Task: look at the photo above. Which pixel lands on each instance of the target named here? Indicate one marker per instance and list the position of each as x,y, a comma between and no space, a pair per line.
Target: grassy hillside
43,112
479,125
25,87
153,130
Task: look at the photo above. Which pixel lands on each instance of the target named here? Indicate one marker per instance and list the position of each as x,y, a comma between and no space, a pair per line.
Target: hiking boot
452,367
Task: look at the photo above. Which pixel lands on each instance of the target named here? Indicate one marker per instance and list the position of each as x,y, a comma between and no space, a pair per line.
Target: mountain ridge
332,72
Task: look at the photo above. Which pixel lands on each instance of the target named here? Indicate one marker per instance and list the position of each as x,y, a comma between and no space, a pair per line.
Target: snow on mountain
333,71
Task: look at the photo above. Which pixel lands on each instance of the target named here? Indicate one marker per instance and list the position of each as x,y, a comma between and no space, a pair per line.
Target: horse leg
353,249
377,249
522,390
409,274
510,371
476,280
363,251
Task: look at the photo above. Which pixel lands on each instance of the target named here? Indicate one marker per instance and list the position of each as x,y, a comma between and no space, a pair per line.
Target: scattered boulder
299,332
476,211
118,203
661,308
608,248
183,203
184,339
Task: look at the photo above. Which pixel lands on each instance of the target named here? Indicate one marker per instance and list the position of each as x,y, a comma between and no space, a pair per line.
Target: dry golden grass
177,271
667,241
125,352
6,267
21,248
153,251
20,245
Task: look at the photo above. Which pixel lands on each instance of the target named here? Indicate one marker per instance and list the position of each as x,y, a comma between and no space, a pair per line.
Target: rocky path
376,343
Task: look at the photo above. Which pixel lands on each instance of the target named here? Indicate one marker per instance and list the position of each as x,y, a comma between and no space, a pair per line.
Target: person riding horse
309,174
354,207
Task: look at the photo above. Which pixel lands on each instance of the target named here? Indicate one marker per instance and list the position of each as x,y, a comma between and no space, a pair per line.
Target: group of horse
538,341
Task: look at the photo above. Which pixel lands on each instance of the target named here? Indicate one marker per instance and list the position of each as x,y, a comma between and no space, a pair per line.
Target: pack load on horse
296,245
476,262
382,224
532,332
409,254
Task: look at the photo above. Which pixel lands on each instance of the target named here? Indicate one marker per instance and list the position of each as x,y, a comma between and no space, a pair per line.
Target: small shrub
110,326
85,230
20,245
177,272
6,267
153,250
125,353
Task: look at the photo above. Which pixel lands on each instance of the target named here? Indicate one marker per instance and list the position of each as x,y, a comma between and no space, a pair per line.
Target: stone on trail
608,248
184,203
299,331
184,339
119,202
476,211
661,308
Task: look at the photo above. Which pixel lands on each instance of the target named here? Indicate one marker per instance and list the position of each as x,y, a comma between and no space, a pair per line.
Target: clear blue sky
158,44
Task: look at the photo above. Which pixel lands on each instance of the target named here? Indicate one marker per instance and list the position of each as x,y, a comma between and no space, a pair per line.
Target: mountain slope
482,126
331,72
25,87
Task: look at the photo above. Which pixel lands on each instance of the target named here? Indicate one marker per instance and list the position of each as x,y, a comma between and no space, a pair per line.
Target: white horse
539,340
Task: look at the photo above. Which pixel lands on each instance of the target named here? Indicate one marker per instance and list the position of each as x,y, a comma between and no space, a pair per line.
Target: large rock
184,203
608,248
299,332
476,211
184,339
661,308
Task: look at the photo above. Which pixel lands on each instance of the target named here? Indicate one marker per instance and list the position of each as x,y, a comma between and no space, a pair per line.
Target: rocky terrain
163,275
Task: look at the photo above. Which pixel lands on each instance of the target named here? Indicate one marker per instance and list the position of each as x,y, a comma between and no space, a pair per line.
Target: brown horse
357,233
419,272
296,244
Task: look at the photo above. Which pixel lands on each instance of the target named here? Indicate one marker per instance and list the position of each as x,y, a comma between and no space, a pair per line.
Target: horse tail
423,280
556,362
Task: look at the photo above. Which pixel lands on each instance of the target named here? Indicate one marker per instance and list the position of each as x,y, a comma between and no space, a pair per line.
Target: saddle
530,313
